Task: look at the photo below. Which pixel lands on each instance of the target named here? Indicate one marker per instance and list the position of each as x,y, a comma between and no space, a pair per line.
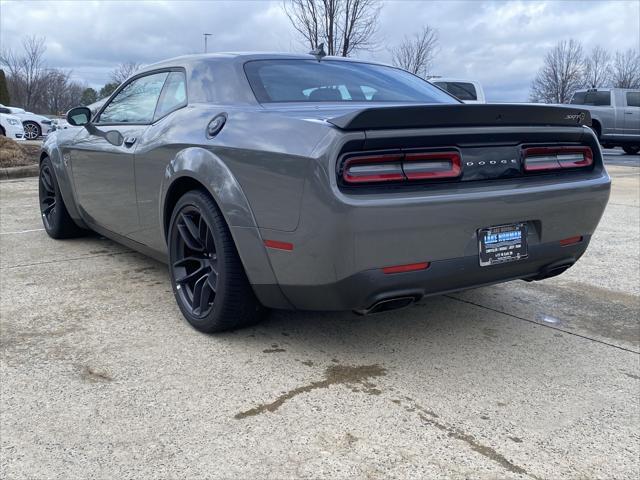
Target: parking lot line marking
544,325
17,232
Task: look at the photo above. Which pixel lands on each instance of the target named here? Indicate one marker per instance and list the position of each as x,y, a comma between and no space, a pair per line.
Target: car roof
242,57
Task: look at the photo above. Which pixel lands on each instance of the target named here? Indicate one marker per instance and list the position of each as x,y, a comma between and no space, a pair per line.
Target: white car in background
10,126
469,91
34,125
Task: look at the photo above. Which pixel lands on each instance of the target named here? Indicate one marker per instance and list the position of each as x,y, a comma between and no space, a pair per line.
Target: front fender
51,149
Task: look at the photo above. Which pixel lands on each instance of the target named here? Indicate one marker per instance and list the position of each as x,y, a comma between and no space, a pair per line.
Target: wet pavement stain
430,418
91,374
334,375
631,375
308,363
274,349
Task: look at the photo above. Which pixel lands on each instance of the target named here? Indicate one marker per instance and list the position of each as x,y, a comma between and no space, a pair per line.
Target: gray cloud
502,44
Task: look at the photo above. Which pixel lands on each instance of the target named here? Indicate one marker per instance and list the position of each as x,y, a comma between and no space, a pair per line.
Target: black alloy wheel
47,196
194,261
207,276
55,216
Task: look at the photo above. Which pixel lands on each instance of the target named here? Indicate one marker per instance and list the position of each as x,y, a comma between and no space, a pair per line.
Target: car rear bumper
364,290
342,242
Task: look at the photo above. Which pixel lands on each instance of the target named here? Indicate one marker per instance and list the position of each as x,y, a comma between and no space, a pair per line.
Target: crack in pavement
110,254
568,332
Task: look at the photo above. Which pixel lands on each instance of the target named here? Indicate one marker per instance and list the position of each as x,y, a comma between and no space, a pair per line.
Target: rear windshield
595,98
461,90
337,81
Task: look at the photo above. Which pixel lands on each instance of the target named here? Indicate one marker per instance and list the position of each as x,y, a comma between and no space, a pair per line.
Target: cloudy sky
500,43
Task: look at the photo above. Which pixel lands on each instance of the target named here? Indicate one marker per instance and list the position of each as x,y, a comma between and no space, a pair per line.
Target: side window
136,102
633,99
173,96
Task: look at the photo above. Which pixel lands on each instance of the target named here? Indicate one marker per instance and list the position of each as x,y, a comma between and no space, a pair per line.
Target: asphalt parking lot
102,378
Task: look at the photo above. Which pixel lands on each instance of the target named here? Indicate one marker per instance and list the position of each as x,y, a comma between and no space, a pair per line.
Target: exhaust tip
386,305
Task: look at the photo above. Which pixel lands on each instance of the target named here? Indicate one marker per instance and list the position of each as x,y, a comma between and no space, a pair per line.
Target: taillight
402,167
373,168
430,165
538,159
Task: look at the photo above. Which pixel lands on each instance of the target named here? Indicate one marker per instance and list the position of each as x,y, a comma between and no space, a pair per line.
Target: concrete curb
19,172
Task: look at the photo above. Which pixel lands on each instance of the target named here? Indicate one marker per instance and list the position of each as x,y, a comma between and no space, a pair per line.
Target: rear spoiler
461,115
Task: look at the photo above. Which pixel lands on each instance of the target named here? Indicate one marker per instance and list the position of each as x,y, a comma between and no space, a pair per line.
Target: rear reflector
279,245
396,167
538,159
412,267
570,241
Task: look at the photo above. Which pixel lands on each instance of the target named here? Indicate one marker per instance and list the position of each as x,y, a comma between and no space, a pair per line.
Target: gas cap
216,124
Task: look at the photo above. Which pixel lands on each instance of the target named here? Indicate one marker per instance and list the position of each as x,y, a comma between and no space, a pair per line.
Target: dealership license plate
505,243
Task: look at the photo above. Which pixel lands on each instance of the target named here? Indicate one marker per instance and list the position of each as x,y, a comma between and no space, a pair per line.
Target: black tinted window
596,98
461,90
337,81
633,99
136,102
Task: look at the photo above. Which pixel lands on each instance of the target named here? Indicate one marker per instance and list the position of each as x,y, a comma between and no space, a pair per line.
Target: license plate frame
502,244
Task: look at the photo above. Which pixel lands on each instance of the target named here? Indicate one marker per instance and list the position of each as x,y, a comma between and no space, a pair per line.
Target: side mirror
79,116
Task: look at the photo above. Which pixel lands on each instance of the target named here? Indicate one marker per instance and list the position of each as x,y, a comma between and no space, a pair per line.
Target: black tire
31,130
2,133
631,150
207,276
55,217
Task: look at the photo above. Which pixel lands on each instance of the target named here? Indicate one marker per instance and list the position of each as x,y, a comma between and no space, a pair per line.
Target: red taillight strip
401,167
278,245
373,160
412,267
554,158
570,241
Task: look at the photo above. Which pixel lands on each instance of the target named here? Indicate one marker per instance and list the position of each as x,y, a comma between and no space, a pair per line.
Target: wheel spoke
46,180
189,233
49,208
205,295
212,280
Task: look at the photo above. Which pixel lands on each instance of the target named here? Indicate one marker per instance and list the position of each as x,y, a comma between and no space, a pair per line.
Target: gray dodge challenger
318,183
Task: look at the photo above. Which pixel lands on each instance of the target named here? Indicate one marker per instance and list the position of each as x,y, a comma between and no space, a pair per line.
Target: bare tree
26,72
626,69
124,71
344,26
415,54
561,75
61,92
597,66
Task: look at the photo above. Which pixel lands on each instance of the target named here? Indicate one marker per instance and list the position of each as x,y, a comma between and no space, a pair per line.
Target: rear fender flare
211,172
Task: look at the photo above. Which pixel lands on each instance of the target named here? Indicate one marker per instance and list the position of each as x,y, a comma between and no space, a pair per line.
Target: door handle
628,113
128,141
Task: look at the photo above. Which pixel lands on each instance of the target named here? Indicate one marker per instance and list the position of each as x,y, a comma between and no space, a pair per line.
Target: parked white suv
34,125
469,91
10,126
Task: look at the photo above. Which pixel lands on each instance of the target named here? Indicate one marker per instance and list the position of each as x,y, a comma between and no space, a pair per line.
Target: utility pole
206,35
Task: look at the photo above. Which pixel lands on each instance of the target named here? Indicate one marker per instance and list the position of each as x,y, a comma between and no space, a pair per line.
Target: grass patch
13,154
